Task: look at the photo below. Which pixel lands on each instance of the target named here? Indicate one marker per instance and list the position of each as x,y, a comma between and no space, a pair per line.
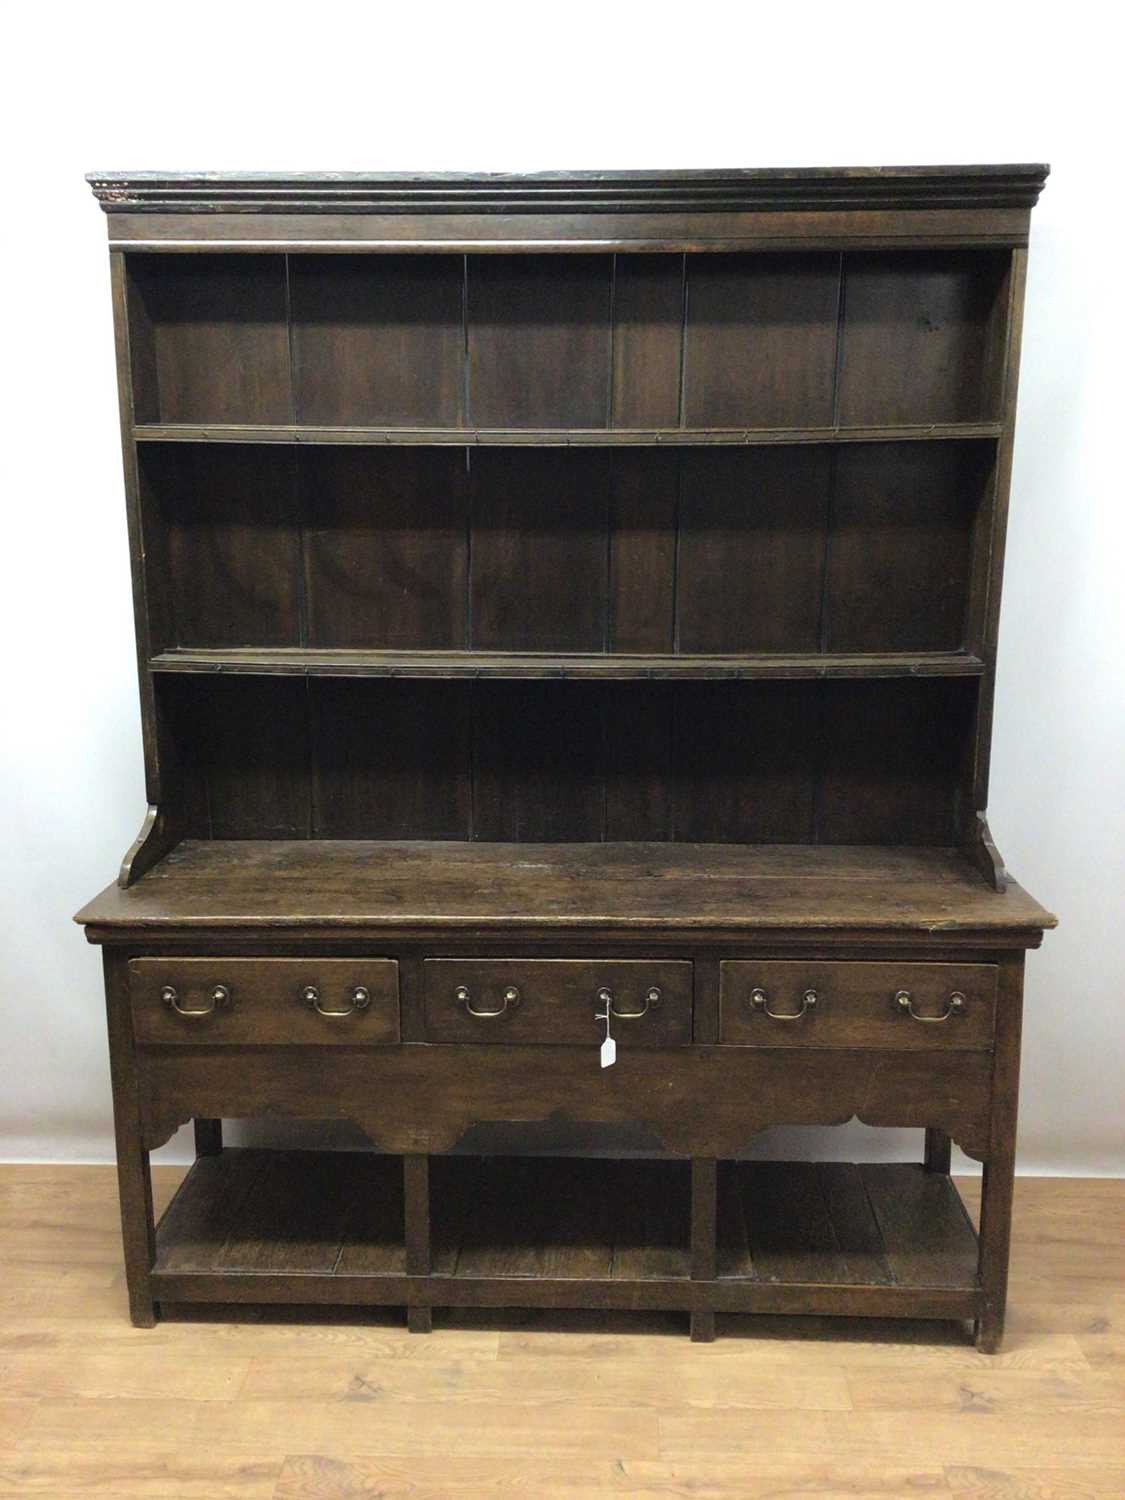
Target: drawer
322,1001
556,999
896,1005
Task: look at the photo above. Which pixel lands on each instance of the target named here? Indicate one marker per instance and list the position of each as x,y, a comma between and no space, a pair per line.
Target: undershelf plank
195,1225
546,1216
929,1240
374,1232
292,1219
652,1231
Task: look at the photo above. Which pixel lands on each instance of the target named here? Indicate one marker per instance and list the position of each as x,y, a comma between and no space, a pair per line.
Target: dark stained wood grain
195,1225
389,762
418,1098
938,1152
315,885
291,1219
549,579
638,724
751,550
855,1004
538,572
892,766
559,1219
899,554
417,1223
559,665
558,1001
385,548
551,1217
998,1187
247,744
374,1241
927,1237
746,762
918,337
704,1267
539,336
378,339
208,1137
642,553
134,1179
652,1223
265,1002
352,435
212,345
648,318
228,524
809,1222
554,192
538,762
760,340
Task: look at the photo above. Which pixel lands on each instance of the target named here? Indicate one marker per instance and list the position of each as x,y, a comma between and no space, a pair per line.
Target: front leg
134,1178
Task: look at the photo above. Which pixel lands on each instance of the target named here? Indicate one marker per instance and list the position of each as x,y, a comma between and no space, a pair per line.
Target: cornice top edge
715,191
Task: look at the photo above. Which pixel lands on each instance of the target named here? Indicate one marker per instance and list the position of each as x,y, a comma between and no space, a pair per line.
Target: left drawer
246,1001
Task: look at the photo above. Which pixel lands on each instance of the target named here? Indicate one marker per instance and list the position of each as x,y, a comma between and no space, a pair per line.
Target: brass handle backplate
511,998
955,1006
759,1001
605,998
219,996
360,1000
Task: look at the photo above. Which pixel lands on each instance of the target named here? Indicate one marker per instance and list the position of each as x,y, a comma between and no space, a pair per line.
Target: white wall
526,87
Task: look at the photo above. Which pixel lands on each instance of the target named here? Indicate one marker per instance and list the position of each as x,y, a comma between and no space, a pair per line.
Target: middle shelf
296,661
854,559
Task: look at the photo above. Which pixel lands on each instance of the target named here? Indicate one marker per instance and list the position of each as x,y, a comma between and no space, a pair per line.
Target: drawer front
322,1001
894,1005
556,1000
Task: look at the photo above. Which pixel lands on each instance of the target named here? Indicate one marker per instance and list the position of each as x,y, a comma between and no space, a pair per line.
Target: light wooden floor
552,1407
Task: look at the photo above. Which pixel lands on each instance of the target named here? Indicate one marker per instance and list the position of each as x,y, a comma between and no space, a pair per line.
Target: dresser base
317,1228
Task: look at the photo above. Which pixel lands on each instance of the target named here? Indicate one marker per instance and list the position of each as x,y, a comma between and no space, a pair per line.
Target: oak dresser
566,621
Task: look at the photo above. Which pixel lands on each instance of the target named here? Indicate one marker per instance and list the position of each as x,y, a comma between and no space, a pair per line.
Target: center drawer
247,1001
780,1003
514,1000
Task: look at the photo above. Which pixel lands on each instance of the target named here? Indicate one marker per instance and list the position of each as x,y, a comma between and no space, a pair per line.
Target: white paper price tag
609,1046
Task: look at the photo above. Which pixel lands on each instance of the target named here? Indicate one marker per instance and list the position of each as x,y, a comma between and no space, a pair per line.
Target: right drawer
783,1003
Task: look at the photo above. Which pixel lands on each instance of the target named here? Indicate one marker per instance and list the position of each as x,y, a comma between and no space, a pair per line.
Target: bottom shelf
836,1223
304,1226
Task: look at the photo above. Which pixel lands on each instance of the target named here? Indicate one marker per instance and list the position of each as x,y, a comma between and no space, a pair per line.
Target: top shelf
561,437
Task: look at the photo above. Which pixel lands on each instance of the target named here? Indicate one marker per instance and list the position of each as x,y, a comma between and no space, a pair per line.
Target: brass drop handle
759,1001
360,1000
463,995
904,1003
220,995
605,998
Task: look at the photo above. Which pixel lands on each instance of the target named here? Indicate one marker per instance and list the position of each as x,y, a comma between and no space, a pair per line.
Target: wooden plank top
422,888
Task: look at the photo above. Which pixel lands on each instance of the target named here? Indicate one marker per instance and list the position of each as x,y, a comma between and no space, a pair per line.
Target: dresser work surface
566,618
